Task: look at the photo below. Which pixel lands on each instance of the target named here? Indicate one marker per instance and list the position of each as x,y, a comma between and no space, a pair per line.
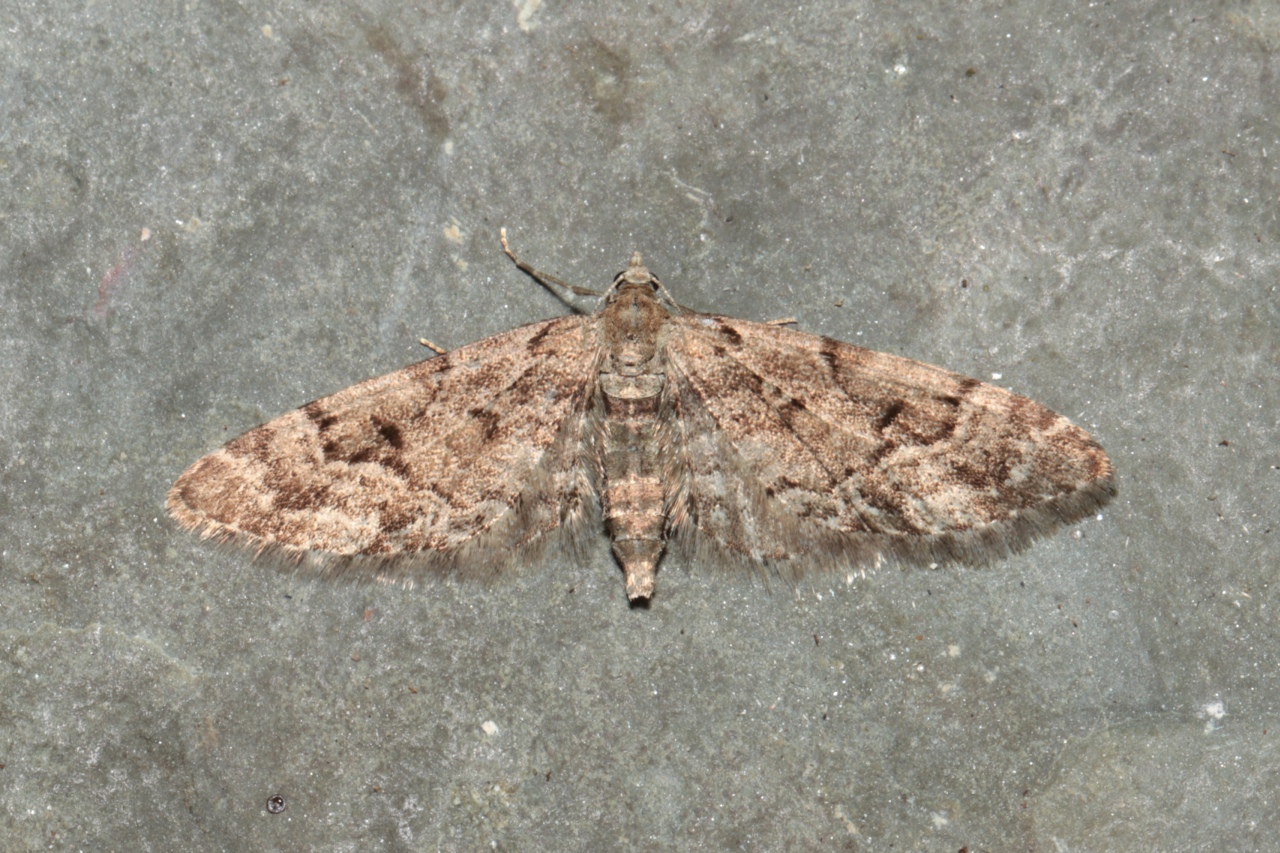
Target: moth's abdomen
634,494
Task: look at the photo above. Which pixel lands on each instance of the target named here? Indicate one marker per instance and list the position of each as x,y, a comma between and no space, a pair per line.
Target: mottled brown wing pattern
733,439
799,446
460,462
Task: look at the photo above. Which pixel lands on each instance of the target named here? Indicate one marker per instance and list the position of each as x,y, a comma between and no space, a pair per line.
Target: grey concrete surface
212,212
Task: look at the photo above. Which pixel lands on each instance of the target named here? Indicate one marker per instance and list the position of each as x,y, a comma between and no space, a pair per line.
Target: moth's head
635,273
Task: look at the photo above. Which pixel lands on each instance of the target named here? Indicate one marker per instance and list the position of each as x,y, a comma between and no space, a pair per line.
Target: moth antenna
542,278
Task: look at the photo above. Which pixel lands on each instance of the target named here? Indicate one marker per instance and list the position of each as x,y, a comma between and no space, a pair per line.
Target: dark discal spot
380,446
488,421
534,342
889,415
333,451
830,353
911,428
752,381
789,409
730,334
318,416
383,456
926,433
963,387
390,433
383,449
739,377
527,389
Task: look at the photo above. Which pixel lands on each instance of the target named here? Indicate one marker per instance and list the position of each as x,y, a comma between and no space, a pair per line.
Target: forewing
456,462
798,445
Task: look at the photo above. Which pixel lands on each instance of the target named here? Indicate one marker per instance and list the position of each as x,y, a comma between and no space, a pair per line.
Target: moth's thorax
632,326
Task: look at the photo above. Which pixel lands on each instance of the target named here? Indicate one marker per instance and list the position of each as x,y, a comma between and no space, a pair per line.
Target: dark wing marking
456,463
798,445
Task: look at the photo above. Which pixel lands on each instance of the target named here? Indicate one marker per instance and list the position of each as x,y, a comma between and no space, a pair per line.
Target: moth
738,442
